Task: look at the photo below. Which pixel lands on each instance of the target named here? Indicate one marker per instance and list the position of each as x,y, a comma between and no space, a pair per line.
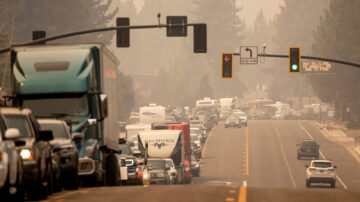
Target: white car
172,172
321,171
11,171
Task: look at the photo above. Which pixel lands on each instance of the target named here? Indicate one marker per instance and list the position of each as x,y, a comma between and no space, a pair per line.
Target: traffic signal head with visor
227,65
294,60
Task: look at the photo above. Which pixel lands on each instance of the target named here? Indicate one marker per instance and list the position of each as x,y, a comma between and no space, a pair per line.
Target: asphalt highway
254,163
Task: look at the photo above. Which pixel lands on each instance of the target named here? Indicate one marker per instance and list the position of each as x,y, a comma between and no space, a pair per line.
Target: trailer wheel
112,170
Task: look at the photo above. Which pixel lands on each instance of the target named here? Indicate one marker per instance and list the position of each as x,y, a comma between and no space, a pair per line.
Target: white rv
152,114
164,144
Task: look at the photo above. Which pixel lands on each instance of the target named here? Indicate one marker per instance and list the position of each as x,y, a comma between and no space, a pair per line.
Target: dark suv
36,153
308,148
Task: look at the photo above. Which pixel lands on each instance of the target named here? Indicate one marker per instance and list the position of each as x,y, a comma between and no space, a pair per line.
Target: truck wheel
112,170
71,180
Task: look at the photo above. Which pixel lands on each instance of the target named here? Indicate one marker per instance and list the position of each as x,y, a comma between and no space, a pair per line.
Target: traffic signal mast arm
70,34
309,58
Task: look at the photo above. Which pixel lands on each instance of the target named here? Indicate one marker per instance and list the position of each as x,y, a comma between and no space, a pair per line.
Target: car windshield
125,149
74,106
20,122
322,164
156,164
59,130
194,137
170,164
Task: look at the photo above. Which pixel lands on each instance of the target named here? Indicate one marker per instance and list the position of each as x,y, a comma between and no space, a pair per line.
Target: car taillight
0,155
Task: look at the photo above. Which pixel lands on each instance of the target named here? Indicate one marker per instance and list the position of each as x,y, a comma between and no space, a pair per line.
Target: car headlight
26,154
196,165
146,176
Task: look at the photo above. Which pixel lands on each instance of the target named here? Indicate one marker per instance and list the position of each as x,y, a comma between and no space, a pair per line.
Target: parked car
36,153
233,121
158,171
321,171
195,166
172,171
11,165
66,149
308,148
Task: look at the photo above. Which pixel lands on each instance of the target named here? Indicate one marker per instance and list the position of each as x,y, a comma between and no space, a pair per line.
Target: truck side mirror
46,135
104,105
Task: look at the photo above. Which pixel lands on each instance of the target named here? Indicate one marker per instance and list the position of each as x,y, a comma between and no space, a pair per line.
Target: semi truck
75,83
164,144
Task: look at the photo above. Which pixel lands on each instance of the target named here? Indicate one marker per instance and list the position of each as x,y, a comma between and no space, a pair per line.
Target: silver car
172,171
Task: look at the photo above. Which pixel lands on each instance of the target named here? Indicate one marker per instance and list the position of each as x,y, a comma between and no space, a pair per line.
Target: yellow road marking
242,194
229,199
231,191
247,151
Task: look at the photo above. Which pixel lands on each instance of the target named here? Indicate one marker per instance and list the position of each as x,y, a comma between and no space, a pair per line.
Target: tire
308,184
112,170
332,184
71,180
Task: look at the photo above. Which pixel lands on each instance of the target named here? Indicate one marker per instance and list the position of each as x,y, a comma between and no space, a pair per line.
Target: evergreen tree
338,36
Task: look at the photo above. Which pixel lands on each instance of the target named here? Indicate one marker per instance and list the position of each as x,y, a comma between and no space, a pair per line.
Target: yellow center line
242,194
230,199
231,191
247,151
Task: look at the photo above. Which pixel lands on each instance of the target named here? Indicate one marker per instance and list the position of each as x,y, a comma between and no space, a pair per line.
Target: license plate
321,171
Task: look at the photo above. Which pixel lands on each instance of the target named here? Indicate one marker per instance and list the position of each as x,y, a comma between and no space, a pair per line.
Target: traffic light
39,35
294,60
122,35
200,40
227,65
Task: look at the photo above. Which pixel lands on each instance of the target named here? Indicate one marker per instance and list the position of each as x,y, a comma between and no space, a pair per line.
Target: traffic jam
236,100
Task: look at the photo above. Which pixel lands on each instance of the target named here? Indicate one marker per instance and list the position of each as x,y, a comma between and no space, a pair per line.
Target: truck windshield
73,106
156,164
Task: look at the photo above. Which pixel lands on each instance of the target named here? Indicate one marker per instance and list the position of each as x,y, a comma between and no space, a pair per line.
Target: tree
338,36
293,26
225,33
57,17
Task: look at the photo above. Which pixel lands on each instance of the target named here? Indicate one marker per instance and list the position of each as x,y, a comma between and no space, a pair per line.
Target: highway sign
248,55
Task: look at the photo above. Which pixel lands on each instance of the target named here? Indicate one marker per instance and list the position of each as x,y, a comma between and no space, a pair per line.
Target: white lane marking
321,154
284,155
244,183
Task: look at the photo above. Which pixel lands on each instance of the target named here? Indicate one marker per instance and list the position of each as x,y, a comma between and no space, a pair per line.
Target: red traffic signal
227,65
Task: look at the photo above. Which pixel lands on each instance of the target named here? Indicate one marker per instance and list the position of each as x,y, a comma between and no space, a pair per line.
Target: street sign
176,31
316,67
248,54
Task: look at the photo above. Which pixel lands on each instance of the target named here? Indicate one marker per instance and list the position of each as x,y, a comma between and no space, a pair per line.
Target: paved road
254,163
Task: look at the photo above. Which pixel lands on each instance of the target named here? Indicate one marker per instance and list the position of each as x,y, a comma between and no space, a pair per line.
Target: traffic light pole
70,34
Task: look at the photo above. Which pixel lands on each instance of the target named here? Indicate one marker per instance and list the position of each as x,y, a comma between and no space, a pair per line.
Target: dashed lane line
321,154
282,149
